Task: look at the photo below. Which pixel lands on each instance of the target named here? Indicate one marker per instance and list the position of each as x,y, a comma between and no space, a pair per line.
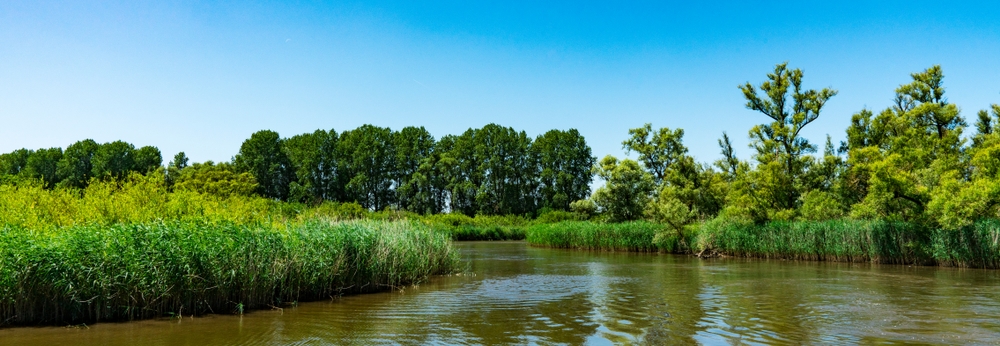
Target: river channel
517,294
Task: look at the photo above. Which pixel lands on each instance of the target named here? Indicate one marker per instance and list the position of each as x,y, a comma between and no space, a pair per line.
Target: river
517,294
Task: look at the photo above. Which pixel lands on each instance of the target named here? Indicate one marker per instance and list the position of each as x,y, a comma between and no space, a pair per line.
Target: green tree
964,196
657,150
12,163
314,158
147,159
509,171
41,165
566,168
174,169
368,161
113,160
729,164
899,157
415,169
459,167
626,190
76,166
263,157
781,153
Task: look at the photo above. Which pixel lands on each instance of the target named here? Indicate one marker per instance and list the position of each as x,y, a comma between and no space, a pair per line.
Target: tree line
493,170
911,162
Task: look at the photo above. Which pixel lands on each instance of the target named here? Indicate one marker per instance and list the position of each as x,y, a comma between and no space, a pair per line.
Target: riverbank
85,274
977,245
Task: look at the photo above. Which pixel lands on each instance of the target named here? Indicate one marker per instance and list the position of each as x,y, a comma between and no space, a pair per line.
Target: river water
516,294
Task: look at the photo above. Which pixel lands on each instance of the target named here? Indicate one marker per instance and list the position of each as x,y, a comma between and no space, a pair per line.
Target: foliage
129,271
775,186
313,157
566,162
584,235
263,157
367,157
626,189
215,179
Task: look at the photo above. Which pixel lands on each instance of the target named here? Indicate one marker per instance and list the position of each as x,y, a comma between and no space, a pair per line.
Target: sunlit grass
120,272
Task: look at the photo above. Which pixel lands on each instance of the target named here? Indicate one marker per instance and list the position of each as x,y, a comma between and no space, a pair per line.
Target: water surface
516,294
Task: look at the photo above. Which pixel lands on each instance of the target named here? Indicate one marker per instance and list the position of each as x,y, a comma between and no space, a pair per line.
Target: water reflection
515,294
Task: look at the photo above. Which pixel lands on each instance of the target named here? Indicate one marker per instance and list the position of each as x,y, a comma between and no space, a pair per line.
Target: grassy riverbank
977,245
121,272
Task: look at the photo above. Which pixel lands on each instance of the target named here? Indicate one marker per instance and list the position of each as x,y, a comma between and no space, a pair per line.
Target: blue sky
200,77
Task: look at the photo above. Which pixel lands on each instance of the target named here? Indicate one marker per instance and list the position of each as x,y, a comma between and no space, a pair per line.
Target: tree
459,166
314,159
657,150
415,169
263,157
147,159
41,165
729,164
509,171
174,168
11,164
896,159
779,147
76,166
368,161
566,168
113,160
986,125
626,190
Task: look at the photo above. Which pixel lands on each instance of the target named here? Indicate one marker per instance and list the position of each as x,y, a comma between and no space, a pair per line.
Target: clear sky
200,77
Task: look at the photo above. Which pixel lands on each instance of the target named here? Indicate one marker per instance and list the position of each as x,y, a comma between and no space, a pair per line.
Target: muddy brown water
517,294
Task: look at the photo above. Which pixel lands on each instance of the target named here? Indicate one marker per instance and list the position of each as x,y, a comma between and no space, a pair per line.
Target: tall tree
626,191
657,150
12,163
76,166
41,165
415,169
368,161
314,158
175,167
113,160
780,150
460,167
147,159
509,169
898,157
263,157
566,168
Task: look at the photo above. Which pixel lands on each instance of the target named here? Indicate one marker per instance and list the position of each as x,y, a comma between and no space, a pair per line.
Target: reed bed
872,241
833,240
637,236
481,227
91,273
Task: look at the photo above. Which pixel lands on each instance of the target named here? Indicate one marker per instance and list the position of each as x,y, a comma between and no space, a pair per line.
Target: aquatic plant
92,273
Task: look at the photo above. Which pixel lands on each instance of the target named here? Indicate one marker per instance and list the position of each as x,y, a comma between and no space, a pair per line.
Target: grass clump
93,273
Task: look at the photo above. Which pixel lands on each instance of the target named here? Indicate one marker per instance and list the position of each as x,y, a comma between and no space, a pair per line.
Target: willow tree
774,188
898,157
